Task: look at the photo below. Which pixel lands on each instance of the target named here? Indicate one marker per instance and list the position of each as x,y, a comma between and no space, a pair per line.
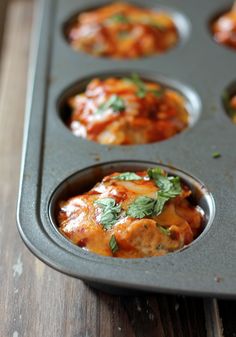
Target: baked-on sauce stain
124,31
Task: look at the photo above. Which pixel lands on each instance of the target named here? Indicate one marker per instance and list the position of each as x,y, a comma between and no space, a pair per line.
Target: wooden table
40,302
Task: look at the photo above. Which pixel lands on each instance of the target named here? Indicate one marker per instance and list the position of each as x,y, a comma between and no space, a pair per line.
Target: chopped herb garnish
118,18
163,183
169,187
141,207
113,244
110,212
142,89
164,230
106,202
127,176
123,34
160,203
115,102
155,172
145,206
157,93
158,26
216,155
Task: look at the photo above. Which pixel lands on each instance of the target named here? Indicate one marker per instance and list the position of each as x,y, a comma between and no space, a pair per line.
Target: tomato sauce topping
232,106
121,30
224,29
229,101
125,111
132,215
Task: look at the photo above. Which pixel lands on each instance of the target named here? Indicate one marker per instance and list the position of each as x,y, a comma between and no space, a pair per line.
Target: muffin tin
54,158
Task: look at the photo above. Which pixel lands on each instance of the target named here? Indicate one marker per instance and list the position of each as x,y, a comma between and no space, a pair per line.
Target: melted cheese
120,30
224,29
79,220
147,119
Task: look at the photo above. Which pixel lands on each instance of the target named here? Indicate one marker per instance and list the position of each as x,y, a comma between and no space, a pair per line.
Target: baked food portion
126,111
230,105
122,30
131,215
232,108
224,29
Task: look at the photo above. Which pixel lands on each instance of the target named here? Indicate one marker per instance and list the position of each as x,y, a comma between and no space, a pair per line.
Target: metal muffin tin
54,158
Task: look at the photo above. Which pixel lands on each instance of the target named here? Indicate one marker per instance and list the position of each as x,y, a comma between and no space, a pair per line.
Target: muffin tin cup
192,100
181,22
52,154
85,179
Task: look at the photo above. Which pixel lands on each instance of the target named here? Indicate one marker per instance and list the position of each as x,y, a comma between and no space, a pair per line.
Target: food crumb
119,328
216,155
218,279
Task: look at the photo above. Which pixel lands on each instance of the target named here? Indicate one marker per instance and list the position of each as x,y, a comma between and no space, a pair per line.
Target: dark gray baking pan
57,164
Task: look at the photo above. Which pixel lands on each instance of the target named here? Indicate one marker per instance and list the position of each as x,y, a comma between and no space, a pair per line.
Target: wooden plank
227,310
36,300
213,320
3,9
166,316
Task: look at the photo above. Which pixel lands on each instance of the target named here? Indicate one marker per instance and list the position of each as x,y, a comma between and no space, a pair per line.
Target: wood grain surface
36,301
3,6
